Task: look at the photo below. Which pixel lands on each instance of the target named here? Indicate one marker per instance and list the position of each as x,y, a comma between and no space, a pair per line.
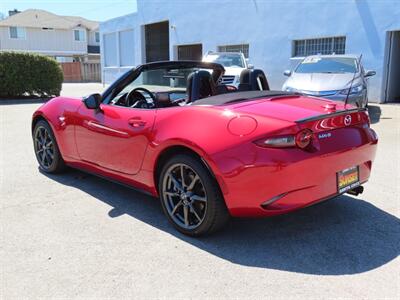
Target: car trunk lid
308,112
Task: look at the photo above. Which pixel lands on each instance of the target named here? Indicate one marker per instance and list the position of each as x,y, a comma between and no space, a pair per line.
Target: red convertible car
207,150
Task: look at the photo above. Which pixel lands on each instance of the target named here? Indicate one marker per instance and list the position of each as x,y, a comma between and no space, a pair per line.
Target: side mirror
369,73
92,101
287,73
250,66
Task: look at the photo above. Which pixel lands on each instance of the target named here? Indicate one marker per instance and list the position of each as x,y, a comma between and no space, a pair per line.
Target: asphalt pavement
74,235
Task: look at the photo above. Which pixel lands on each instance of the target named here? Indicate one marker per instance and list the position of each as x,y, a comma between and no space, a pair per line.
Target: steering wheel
141,102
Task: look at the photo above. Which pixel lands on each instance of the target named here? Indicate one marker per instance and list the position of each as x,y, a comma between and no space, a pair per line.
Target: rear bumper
292,178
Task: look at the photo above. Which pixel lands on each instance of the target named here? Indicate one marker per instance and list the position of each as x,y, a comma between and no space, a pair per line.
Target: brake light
302,139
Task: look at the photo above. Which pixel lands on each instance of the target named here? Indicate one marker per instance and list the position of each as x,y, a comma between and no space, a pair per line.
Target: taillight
277,142
302,139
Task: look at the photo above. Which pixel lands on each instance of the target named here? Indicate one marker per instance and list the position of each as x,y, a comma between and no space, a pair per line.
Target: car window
327,65
227,60
159,81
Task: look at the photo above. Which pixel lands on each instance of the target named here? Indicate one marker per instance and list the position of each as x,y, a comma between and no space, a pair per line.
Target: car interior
200,84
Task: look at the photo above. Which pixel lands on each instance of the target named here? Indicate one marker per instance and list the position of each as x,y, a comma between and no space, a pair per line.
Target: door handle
104,129
136,123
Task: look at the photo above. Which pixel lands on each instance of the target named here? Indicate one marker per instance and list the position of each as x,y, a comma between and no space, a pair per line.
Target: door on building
190,52
157,49
392,88
157,41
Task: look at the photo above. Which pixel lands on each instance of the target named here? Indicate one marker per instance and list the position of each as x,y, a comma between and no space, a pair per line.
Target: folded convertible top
240,96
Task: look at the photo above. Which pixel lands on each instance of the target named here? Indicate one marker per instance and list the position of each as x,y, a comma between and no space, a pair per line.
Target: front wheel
46,148
190,196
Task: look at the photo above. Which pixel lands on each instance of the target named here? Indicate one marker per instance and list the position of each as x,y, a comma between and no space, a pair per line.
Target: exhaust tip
356,191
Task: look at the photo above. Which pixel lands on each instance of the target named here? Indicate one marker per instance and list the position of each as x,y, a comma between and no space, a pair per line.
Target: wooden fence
81,72
72,71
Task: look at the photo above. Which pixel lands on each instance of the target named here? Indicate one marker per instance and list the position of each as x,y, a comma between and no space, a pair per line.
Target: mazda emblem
347,120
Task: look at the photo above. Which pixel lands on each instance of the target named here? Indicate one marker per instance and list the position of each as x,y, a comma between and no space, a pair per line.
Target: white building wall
269,27
115,26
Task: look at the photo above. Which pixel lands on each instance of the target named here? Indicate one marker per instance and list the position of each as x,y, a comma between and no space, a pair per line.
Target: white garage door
110,49
126,40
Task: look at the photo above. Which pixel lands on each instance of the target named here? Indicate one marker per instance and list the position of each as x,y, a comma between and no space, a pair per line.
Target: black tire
48,156
204,217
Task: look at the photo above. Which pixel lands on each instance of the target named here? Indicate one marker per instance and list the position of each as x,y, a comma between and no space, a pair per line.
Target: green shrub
23,74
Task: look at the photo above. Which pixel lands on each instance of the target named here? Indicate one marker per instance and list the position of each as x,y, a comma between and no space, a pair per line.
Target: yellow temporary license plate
348,179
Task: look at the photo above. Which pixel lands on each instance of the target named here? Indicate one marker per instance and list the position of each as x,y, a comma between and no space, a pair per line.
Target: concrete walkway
81,89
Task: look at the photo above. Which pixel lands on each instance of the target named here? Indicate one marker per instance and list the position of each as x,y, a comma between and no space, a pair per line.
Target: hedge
27,75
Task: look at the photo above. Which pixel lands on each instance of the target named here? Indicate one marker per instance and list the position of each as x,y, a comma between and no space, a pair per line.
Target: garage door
190,52
393,71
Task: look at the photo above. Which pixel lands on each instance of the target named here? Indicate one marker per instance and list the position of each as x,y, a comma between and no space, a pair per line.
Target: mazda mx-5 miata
207,150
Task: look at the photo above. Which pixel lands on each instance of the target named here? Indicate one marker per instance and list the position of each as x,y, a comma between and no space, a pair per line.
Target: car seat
200,85
253,80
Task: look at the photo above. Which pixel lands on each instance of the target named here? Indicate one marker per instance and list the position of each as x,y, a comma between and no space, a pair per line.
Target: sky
97,10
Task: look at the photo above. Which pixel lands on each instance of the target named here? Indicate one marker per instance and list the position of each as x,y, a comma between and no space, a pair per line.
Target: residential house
65,38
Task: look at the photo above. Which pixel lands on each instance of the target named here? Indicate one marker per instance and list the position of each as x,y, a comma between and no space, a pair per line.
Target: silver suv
234,63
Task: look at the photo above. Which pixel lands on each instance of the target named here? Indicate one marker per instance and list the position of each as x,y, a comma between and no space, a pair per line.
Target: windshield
327,65
171,80
162,80
226,59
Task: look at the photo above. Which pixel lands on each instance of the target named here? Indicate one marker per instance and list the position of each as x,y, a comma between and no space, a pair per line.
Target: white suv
233,62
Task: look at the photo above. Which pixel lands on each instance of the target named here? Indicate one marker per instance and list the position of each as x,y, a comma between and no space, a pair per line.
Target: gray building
274,35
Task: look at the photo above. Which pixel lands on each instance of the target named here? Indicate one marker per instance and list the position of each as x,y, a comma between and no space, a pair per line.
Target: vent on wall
329,45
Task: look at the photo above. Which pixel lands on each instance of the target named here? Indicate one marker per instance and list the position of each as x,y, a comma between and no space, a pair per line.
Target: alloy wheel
44,147
184,196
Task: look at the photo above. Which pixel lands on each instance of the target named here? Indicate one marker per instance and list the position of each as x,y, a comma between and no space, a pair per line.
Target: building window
97,37
17,32
330,45
243,48
79,35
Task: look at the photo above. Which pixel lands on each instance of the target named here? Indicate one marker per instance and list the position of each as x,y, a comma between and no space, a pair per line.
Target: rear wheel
46,148
190,196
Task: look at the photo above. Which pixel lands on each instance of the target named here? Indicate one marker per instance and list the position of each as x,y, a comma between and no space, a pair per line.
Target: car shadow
341,236
374,112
